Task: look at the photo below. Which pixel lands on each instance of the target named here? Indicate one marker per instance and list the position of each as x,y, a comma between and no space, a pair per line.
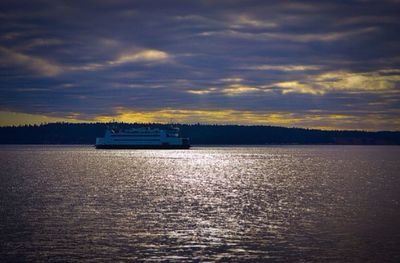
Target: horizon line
193,124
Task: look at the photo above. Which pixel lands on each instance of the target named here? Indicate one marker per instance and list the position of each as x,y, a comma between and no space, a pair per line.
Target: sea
208,204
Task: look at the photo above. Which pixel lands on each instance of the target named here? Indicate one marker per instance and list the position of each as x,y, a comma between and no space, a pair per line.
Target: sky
311,64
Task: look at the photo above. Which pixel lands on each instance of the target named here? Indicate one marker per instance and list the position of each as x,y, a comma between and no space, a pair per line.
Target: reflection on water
304,203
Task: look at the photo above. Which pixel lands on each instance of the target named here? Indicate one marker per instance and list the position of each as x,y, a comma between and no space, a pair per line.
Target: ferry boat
142,138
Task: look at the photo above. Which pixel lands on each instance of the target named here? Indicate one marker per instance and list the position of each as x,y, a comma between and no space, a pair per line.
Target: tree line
199,134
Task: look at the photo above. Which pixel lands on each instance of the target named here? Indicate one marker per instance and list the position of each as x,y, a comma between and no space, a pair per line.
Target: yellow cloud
39,65
48,68
247,21
232,79
202,91
297,87
230,90
149,55
195,116
370,81
226,117
285,67
9,118
377,81
311,119
236,89
310,37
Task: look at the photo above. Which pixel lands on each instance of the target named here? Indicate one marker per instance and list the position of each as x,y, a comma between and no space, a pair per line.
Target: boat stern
99,141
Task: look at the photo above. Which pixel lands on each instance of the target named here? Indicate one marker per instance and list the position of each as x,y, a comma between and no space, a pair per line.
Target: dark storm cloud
92,57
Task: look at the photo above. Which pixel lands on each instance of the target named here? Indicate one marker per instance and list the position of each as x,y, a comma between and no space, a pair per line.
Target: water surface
282,204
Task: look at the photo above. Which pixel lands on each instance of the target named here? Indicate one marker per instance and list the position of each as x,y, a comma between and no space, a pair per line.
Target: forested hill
86,133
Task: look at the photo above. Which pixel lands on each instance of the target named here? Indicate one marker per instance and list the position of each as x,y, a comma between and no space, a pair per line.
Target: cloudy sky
314,64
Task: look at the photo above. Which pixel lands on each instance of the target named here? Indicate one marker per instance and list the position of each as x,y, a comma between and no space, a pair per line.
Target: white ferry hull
126,146
142,138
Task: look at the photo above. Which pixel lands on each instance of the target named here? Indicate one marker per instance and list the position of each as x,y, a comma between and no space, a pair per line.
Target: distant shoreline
199,135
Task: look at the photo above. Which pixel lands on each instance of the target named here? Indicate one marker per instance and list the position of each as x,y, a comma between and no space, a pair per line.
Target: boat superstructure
142,138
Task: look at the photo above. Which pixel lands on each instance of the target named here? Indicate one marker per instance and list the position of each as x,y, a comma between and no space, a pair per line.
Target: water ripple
307,204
